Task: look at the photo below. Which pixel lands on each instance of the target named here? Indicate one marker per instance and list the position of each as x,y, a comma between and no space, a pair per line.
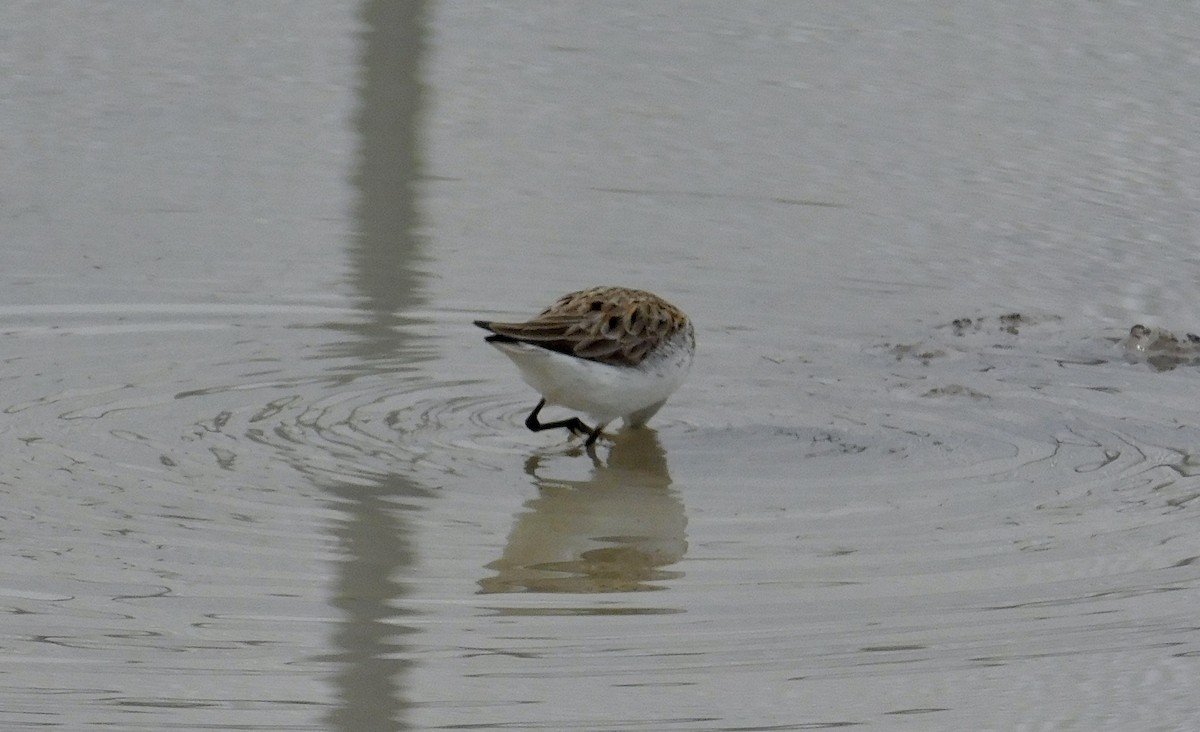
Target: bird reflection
616,531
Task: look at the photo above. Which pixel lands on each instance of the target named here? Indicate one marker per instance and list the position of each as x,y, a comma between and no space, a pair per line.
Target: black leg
574,424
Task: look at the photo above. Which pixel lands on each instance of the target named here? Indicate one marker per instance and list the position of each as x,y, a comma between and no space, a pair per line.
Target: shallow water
262,473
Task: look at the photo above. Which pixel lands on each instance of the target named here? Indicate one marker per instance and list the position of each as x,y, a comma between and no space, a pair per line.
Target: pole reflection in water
617,531
374,535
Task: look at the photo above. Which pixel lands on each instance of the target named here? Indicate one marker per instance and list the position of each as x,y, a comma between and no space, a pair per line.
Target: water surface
262,473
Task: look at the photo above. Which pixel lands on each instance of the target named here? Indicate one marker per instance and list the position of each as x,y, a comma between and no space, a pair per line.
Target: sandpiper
607,352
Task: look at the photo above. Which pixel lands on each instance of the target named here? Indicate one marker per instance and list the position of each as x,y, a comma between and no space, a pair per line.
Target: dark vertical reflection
375,546
386,246
373,535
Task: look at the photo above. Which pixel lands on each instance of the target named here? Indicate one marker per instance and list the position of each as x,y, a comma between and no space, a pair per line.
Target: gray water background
260,472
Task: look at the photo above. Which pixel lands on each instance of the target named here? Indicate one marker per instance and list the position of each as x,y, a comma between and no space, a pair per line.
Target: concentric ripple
209,506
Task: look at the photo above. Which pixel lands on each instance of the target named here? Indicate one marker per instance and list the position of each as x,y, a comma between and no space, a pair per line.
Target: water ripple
946,508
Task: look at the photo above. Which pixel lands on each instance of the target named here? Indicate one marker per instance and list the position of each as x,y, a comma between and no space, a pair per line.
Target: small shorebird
607,352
